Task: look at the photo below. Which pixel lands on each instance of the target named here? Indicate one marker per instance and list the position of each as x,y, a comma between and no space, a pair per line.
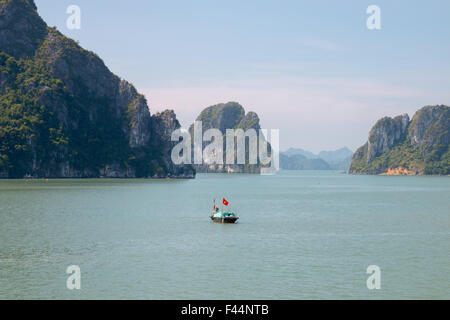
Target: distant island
398,146
63,114
299,159
223,116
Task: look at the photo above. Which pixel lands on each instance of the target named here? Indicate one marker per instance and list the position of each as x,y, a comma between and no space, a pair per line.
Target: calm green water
302,235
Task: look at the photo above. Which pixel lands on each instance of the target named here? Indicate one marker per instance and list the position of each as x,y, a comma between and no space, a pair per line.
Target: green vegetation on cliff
30,126
64,114
421,147
230,115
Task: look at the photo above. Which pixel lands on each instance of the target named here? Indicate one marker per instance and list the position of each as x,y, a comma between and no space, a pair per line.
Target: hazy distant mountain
299,159
336,156
300,162
298,151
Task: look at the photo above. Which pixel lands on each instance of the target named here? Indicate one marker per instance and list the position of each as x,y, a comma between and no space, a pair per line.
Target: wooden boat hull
224,219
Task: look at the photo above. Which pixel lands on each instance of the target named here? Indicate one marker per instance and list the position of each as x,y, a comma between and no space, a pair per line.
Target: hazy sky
309,68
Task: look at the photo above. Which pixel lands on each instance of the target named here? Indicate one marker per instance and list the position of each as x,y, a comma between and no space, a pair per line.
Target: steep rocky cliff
64,114
225,116
386,133
421,146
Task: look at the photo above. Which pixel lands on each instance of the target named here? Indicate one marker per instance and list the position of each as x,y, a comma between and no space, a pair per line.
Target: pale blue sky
310,68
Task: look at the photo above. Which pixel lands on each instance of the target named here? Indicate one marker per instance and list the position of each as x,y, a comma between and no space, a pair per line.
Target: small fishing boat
224,217
221,216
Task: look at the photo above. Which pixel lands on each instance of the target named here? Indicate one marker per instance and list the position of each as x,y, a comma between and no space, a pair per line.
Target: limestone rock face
163,124
21,28
225,116
77,119
416,147
222,116
430,126
385,134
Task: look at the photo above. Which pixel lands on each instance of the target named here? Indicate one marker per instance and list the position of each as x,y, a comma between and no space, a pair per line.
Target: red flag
225,202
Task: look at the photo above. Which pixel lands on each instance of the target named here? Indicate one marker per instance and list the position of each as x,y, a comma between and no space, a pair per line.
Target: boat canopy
223,214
